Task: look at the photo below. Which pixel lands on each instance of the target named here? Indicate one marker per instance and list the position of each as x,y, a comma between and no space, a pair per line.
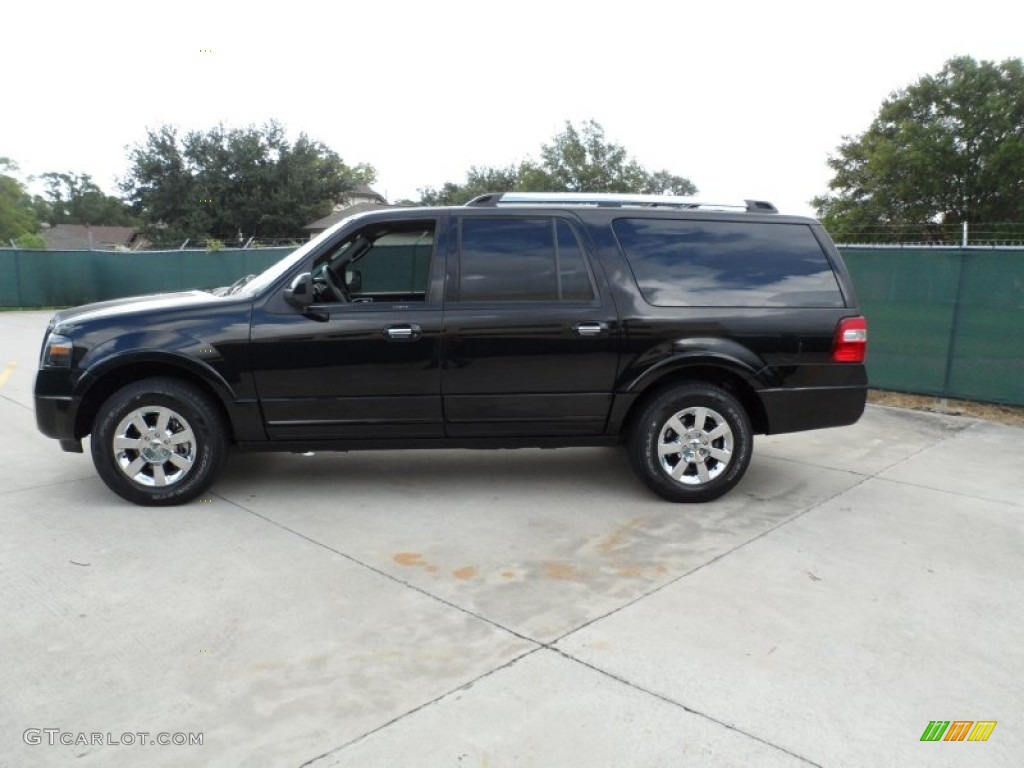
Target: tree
946,150
583,161
30,242
576,160
75,199
479,181
17,217
220,183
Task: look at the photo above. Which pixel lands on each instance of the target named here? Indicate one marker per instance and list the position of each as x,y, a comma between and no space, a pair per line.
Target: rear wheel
159,441
691,443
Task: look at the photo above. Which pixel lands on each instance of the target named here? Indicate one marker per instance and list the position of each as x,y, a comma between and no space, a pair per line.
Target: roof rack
616,200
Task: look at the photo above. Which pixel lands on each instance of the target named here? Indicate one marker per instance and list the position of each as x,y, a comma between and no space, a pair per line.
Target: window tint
727,264
521,260
396,264
573,278
378,264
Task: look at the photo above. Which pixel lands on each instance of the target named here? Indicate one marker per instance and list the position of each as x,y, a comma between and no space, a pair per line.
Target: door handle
590,329
403,332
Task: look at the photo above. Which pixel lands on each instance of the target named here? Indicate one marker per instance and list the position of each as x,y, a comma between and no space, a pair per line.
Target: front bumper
57,409
55,416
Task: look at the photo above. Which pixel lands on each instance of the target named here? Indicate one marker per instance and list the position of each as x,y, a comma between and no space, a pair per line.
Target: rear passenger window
510,259
727,264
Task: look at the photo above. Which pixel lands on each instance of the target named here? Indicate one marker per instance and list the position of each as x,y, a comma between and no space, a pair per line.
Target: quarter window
522,260
684,263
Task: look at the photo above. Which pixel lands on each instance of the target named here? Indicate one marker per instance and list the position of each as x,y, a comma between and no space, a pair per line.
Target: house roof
84,237
333,218
364,190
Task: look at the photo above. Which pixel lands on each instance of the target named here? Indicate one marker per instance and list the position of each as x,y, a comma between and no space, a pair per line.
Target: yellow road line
5,374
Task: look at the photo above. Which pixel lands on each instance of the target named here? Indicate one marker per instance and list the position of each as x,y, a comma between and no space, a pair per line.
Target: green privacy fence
943,321
63,278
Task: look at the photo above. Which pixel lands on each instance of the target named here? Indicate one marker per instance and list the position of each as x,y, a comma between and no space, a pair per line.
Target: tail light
851,341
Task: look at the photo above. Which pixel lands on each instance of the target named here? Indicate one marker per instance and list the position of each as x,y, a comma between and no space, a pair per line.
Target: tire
682,459
159,442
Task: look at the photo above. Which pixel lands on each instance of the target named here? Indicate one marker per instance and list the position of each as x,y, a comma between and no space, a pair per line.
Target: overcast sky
746,99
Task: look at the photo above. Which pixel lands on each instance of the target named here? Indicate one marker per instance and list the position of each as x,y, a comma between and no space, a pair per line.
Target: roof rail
616,200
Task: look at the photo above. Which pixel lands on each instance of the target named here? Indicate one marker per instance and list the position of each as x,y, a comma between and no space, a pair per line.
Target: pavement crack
811,508
385,574
713,560
8,492
436,700
17,403
946,434
959,494
679,704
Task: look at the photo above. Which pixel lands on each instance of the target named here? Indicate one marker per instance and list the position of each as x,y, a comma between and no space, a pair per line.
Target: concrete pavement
516,608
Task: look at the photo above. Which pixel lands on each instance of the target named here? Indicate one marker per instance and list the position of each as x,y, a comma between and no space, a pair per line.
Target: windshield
273,273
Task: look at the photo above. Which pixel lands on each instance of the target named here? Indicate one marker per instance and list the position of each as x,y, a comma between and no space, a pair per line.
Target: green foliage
576,160
75,199
213,244
30,241
583,161
479,181
17,216
945,150
230,183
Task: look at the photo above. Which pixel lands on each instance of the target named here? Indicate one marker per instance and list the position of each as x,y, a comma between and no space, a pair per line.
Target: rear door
531,343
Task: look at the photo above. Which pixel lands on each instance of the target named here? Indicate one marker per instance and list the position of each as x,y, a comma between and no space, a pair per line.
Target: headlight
57,352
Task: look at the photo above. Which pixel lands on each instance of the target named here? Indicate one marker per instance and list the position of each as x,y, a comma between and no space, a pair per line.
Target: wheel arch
106,382
729,377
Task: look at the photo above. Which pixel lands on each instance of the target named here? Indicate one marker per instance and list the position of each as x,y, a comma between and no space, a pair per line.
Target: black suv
679,328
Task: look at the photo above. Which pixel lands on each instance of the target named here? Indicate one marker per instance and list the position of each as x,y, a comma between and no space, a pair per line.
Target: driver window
379,264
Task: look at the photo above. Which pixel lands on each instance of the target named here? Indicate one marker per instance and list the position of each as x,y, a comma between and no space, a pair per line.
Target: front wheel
158,442
691,443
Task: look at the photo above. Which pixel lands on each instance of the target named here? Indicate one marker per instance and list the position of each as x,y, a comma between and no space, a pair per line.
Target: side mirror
300,293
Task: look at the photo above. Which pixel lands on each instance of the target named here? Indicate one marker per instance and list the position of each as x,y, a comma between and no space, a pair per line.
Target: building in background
85,237
360,199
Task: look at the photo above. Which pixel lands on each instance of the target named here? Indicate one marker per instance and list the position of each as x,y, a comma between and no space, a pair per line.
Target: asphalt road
516,608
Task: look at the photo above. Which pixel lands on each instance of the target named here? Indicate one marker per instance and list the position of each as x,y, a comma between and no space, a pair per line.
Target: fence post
964,243
17,278
951,347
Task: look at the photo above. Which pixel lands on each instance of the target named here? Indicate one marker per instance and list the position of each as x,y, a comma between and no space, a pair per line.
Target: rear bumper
795,410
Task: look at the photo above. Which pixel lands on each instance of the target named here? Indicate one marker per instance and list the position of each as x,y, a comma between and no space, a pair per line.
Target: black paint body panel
483,374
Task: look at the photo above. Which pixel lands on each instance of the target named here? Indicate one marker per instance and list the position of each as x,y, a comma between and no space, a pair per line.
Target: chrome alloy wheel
695,445
154,446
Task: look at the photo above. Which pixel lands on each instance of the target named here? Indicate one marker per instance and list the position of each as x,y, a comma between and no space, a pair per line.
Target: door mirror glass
300,293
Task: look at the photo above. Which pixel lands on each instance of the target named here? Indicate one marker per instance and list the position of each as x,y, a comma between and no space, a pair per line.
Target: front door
364,362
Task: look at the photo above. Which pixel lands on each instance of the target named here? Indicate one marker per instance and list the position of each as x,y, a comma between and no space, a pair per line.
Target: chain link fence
992,235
